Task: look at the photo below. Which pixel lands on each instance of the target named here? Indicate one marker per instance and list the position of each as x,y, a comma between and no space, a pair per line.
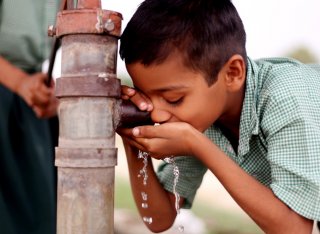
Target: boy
254,124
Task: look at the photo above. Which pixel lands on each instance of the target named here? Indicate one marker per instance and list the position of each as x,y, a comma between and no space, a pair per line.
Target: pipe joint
102,85
88,21
86,157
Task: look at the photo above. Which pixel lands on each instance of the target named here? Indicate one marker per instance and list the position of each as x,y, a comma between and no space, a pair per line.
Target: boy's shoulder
284,66
282,90
282,75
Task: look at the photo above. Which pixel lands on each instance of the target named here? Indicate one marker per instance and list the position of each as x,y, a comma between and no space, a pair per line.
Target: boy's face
179,94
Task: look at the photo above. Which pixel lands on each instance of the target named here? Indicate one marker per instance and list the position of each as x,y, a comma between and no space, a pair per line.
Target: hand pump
89,111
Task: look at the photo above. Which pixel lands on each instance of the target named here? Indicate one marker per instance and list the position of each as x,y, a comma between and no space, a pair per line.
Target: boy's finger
142,102
127,91
148,101
138,98
124,132
125,97
136,144
147,132
132,142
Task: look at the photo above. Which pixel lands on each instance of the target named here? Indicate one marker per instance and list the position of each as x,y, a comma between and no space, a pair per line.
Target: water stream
144,173
176,173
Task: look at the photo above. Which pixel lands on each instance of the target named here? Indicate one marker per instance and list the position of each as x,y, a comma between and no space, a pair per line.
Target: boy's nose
160,116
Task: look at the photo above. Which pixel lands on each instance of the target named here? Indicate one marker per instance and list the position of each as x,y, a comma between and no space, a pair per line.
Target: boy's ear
235,72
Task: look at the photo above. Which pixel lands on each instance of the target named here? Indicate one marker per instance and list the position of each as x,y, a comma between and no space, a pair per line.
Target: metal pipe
86,154
88,4
89,112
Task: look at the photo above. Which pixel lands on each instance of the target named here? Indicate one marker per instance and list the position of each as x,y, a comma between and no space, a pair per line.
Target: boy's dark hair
205,32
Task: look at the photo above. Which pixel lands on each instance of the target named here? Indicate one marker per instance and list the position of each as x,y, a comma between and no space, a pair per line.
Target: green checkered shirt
279,140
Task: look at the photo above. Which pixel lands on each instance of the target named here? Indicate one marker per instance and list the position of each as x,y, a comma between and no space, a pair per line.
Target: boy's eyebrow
169,88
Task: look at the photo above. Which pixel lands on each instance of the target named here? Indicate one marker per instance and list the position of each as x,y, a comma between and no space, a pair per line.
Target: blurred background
274,28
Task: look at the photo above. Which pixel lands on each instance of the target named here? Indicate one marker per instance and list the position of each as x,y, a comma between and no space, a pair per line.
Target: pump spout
129,116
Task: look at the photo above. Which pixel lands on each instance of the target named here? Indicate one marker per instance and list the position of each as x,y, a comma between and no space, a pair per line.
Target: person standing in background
27,110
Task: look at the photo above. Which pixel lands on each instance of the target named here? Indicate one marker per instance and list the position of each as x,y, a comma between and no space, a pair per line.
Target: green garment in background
27,171
23,31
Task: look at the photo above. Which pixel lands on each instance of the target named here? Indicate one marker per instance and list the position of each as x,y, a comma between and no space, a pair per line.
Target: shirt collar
249,121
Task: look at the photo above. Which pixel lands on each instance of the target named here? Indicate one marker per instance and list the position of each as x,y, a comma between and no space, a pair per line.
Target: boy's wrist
193,141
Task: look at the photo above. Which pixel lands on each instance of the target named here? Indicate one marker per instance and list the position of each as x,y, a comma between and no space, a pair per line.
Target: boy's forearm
10,76
258,201
159,205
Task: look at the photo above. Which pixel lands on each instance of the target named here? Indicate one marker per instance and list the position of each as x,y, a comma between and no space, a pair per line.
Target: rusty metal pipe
128,115
89,112
87,4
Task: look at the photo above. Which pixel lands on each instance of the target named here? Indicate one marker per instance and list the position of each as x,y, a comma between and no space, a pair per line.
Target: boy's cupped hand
162,140
167,139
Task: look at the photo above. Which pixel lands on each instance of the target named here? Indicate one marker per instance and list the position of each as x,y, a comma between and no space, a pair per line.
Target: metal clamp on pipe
83,158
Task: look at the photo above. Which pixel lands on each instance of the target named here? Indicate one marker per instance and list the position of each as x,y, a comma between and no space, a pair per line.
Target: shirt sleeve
191,172
293,139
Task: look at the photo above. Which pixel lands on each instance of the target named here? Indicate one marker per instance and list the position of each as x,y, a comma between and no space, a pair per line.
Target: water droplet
143,154
148,220
176,173
175,182
144,196
143,171
168,159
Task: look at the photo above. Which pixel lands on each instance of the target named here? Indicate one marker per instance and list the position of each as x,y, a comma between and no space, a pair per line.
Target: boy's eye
175,102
